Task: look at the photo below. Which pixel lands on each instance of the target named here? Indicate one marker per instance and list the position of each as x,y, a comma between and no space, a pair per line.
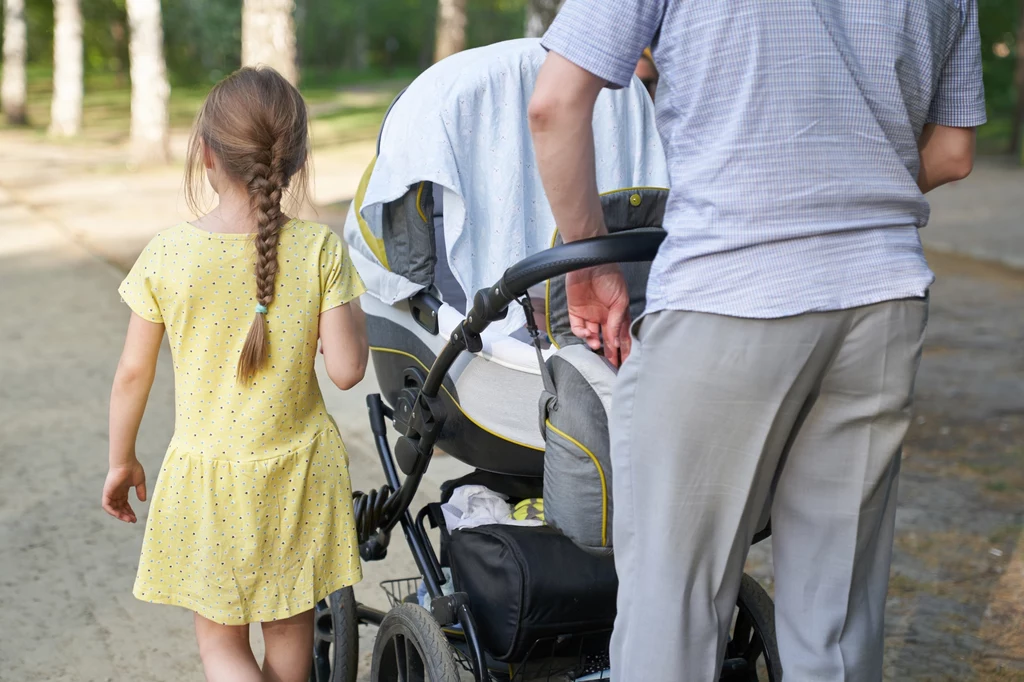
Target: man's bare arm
947,155
561,119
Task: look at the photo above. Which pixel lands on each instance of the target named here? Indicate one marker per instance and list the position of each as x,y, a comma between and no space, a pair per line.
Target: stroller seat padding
577,457
530,583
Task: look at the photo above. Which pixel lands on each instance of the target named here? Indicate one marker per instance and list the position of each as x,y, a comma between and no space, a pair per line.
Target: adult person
785,310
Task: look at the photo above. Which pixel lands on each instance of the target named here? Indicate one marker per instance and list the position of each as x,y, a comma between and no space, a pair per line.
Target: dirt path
982,216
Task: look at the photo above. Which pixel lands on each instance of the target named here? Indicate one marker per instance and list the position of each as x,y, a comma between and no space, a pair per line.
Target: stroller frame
419,416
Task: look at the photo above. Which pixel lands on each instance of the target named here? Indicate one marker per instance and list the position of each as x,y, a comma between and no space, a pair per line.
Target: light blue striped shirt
791,130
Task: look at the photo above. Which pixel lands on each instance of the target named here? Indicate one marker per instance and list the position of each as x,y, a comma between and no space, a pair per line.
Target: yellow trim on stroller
376,245
554,238
600,472
419,204
456,402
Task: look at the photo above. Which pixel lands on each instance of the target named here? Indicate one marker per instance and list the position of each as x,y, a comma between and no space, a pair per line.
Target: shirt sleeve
959,100
339,281
140,289
605,37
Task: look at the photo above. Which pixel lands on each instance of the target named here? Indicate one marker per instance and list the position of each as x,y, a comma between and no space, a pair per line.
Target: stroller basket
400,590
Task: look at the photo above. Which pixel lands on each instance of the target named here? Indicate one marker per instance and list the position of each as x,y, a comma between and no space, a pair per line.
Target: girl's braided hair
255,123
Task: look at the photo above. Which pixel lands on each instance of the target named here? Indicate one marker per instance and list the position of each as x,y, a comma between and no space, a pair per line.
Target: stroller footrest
446,609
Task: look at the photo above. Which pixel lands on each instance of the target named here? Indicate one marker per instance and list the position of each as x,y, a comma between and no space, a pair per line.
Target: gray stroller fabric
444,279
409,235
577,459
575,406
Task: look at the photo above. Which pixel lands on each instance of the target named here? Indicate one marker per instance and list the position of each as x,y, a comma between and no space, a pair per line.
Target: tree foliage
338,37
999,45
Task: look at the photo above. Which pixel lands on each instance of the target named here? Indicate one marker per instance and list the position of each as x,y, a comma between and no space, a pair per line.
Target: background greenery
355,41
202,38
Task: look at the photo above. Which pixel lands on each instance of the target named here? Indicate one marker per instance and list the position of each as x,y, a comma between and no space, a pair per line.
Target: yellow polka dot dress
251,517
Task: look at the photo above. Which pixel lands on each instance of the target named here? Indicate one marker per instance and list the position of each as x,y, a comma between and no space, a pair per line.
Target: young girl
251,518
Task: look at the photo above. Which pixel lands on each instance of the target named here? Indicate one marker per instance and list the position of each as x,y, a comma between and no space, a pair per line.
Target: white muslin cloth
463,126
475,505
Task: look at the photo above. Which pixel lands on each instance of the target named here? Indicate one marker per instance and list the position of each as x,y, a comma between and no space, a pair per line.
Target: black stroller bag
530,583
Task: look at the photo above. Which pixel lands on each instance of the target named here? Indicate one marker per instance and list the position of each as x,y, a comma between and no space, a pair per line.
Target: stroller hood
461,129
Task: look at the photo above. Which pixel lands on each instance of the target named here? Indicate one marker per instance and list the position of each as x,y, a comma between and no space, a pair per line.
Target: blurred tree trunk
539,15
451,28
268,36
429,35
13,88
150,89
362,38
1017,131
66,107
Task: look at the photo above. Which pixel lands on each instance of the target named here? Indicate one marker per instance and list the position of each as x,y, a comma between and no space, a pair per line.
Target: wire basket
401,590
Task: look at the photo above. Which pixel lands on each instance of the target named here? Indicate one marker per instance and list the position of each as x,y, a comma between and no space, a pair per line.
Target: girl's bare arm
344,345
132,382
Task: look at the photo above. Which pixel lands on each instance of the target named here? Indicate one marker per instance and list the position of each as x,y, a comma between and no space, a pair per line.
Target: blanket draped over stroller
452,199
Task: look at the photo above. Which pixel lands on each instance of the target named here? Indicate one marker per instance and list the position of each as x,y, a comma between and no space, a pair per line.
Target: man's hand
120,480
599,302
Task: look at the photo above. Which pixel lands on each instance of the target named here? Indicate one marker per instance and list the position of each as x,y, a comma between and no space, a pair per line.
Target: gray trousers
714,419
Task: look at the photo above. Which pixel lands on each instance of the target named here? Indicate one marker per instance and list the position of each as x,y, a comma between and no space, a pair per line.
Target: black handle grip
621,247
633,246
378,413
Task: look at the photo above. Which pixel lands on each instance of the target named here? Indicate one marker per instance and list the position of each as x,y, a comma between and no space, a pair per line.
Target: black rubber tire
336,639
753,635
410,638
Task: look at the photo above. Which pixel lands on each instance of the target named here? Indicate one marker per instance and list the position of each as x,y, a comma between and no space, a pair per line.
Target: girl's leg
289,648
226,654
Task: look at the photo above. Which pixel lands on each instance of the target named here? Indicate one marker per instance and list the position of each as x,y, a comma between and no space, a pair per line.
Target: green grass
344,108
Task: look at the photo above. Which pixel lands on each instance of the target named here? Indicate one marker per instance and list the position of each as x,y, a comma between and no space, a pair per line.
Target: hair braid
266,187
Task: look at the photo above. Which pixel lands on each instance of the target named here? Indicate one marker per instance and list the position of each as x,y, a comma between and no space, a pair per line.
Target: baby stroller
452,204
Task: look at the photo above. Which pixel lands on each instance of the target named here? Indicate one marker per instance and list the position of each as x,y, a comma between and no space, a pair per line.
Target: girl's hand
128,397
115,490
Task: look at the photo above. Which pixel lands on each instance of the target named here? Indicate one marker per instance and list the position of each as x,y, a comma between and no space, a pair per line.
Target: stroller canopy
460,133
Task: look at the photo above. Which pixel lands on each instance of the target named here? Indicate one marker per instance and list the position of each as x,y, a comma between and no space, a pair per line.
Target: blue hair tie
261,309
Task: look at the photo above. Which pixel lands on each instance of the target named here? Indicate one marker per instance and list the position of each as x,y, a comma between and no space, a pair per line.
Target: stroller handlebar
620,247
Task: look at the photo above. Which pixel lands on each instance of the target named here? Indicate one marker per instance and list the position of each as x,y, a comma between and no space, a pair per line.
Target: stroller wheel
335,639
752,654
410,647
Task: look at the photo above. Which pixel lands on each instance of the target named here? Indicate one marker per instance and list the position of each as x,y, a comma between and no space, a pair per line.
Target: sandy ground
981,216
71,220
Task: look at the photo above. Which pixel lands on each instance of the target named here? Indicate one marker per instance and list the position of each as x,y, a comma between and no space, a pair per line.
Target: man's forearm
561,114
947,155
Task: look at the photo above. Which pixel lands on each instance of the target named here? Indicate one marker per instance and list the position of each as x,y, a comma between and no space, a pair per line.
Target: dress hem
191,604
